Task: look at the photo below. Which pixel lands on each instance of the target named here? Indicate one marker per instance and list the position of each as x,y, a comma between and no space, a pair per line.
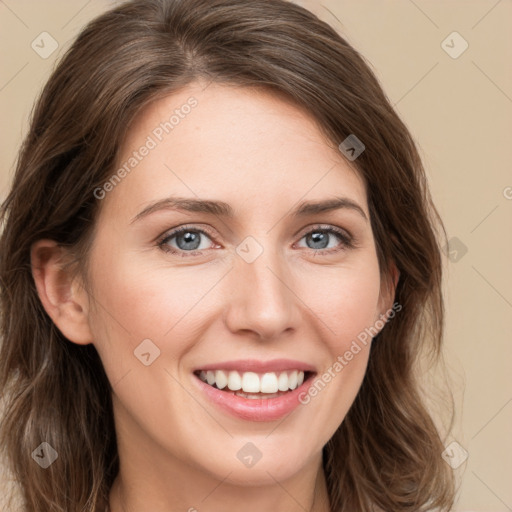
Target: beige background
459,111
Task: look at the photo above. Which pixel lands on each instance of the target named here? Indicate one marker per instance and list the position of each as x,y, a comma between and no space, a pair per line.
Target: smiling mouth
254,385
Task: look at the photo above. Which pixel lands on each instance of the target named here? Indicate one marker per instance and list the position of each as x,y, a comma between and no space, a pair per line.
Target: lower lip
257,409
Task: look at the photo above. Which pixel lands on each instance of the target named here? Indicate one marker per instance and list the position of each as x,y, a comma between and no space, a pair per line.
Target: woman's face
250,287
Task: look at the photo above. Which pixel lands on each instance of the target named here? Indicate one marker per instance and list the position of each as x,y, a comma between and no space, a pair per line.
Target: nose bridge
262,299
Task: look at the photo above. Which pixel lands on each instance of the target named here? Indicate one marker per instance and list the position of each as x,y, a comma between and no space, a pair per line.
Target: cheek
346,302
147,299
346,299
349,311
136,301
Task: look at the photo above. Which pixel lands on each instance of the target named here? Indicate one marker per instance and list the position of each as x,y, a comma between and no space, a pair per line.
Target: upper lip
258,366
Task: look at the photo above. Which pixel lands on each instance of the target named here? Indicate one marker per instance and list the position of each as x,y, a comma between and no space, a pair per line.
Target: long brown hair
387,452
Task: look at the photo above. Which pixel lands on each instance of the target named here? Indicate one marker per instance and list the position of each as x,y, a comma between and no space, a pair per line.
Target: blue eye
190,241
320,239
185,239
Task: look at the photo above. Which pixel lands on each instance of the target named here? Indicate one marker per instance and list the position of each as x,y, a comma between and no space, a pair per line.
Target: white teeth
292,380
221,379
251,382
210,377
269,383
234,381
282,383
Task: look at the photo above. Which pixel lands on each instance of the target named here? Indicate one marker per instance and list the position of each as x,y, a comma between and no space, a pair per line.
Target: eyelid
325,227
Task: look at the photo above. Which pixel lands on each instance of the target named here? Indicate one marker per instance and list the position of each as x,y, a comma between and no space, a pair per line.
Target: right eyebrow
188,204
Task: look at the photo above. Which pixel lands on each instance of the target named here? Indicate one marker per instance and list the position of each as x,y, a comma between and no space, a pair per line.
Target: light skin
263,156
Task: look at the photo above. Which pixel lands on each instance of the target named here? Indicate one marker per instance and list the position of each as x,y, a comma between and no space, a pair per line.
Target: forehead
241,143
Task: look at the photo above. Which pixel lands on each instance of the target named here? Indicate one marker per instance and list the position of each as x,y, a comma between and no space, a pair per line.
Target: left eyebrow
222,209
312,208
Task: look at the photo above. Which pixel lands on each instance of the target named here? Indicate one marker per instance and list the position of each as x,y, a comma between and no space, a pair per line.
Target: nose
261,297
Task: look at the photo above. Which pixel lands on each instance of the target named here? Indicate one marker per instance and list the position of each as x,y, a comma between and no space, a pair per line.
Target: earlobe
65,301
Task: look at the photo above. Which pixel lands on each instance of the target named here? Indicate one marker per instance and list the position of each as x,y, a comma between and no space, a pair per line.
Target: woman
219,271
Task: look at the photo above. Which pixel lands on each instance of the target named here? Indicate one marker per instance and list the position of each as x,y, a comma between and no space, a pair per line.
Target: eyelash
347,241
